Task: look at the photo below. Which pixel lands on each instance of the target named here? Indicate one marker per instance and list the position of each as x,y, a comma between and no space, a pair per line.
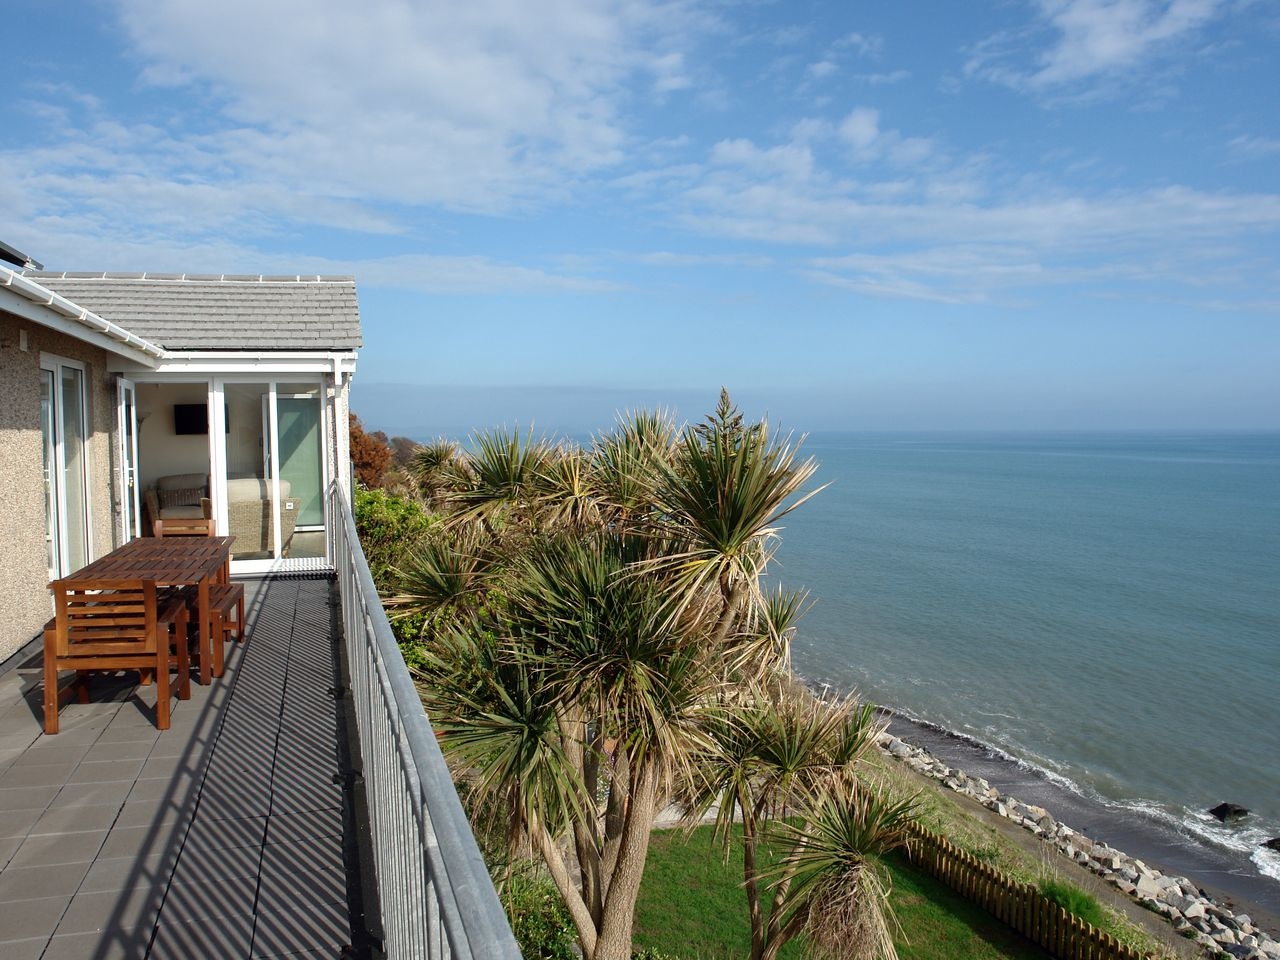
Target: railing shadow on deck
189,870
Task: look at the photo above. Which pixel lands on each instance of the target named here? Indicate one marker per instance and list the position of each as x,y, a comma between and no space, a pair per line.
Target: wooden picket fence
1020,905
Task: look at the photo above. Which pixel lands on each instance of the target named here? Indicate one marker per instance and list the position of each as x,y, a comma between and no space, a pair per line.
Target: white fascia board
77,325
244,362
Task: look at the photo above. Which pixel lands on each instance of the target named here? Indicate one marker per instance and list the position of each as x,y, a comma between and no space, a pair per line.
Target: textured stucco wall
24,597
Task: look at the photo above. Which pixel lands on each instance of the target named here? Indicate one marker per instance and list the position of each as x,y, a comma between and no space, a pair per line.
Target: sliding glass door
65,434
269,444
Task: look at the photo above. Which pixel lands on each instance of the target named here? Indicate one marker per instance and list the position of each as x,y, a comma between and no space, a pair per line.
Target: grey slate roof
220,312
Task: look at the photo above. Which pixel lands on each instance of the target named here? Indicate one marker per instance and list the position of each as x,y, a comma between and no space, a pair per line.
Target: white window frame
127,445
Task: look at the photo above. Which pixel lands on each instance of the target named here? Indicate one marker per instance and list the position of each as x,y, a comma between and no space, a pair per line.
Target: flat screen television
190,418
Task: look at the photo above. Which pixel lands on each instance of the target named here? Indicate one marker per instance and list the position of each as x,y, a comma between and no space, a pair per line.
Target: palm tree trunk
588,933
728,612
779,939
586,833
615,813
750,883
624,886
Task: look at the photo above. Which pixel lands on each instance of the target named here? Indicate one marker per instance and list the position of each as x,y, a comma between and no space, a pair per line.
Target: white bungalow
126,398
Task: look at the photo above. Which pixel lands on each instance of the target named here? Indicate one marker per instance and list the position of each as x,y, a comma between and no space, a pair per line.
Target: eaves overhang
25,298
257,362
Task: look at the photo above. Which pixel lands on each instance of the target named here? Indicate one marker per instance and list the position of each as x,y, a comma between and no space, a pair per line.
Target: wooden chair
226,599
109,625
183,527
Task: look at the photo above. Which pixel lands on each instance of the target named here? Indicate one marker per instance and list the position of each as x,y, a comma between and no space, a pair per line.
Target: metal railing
435,898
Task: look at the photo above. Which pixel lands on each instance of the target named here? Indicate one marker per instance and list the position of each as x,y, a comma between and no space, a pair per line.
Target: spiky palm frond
505,470
627,460
446,571
767,749
604,638
499,722
762,649
568,490
436,468
720,502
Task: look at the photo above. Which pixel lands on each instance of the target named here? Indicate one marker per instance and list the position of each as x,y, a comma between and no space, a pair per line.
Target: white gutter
35,293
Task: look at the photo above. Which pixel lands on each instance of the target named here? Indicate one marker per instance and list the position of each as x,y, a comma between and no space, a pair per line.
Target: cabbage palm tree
832,885
779,763
600,609
436,467
504,477
572,712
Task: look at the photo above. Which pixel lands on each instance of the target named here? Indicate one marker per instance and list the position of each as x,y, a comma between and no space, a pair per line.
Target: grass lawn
692,907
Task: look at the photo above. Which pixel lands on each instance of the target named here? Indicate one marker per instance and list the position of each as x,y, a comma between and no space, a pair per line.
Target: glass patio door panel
49,436
298,417
64,424
73,468
248,482
127,431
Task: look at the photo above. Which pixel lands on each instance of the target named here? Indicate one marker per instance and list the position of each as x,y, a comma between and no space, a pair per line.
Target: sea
1093,617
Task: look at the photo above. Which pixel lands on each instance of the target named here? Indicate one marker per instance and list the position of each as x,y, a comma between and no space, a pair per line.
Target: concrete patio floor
220,837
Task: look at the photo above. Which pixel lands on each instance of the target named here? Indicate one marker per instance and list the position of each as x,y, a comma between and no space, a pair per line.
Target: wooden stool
226,609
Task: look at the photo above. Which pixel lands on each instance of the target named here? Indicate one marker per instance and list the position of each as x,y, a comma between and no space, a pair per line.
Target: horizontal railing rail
435,896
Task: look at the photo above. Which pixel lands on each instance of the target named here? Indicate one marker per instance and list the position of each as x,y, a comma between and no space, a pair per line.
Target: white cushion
182,513
252,488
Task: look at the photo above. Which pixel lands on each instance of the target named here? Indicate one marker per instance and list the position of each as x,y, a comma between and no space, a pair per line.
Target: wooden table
170,562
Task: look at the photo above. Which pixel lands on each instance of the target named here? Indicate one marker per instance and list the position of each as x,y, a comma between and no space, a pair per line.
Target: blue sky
1021,214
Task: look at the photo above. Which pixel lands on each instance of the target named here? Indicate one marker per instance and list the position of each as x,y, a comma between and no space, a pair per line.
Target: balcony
297,806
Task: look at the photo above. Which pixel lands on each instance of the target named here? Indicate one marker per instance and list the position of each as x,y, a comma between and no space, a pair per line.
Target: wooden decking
220,837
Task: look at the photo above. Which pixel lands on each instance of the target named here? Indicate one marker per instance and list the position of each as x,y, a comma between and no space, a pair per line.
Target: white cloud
822,69
1102,36
883,79
484,106
952,232
1090,40
1246,147
790,161
864,44
860,130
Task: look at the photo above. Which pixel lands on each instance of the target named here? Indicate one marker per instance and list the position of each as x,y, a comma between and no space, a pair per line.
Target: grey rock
1147,887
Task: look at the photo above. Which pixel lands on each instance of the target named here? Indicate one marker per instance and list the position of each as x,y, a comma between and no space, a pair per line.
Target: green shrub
1073,900
388,525
539,919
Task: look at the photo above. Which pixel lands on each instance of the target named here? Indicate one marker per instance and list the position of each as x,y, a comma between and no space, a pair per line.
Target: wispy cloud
922,224
1245,147
882,79
459,275
1087,41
